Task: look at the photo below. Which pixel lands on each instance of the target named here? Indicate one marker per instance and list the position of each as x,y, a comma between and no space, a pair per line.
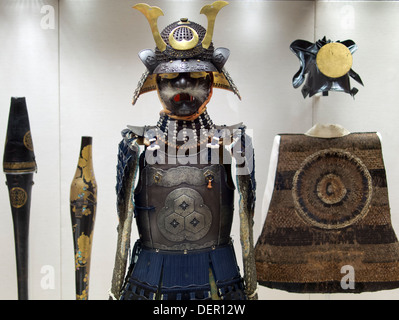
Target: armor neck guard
199,134
183,133
198,124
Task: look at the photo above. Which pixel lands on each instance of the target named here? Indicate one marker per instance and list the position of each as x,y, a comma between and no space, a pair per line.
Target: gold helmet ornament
183,47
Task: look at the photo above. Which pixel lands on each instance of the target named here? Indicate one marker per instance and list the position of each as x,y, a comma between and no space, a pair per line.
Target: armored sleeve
128,154
243,152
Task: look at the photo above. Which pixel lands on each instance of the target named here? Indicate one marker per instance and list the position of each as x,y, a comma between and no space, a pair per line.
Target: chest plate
184,216
184,207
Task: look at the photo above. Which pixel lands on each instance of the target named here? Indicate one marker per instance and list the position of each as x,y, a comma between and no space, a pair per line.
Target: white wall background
76,63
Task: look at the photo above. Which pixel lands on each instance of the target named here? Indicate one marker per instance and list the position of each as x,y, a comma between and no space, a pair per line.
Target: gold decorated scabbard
83,203
19,165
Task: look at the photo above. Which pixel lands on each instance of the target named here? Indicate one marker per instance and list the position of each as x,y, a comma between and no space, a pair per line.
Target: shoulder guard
241,150
143,134
224,131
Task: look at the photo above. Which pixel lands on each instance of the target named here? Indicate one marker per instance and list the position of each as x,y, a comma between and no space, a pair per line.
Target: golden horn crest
152,13
211,10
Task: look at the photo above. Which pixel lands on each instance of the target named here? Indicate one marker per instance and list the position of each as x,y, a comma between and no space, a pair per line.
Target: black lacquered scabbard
19,166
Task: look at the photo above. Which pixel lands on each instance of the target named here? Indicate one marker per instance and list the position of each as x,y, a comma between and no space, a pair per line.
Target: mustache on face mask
197,92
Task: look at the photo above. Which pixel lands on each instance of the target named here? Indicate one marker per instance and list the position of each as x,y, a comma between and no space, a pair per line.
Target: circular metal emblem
332,189
334,60
184,216
18,197
28,141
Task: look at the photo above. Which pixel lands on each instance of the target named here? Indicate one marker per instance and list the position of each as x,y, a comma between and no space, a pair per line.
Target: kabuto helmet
183,46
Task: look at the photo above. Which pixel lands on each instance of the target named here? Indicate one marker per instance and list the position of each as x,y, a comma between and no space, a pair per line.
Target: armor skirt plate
206,274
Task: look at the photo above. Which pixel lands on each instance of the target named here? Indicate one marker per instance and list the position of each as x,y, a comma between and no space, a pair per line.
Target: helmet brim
182,66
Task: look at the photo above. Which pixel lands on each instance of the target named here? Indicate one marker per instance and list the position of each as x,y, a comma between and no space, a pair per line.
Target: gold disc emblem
28,141
334,60
18,197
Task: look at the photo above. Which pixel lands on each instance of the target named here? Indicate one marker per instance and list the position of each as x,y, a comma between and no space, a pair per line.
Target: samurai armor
184,215
184,211
329,211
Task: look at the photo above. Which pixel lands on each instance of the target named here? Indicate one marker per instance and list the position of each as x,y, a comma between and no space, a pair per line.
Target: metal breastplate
184,207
